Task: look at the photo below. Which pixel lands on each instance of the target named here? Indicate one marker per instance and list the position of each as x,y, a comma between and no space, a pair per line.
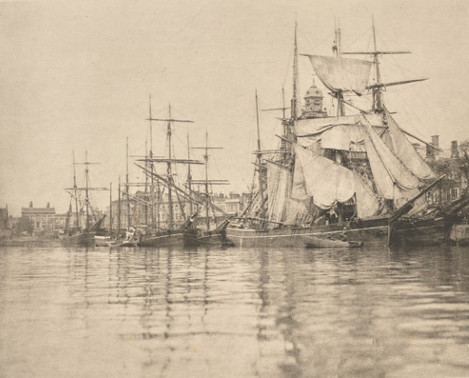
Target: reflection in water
234,312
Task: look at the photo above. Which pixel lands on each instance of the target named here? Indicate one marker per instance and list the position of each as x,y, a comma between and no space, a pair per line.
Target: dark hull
79,240
173,239
212,238
373,232
420,232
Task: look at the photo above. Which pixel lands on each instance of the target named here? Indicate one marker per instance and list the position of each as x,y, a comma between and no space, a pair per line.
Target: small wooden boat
313,242
102,241
123,244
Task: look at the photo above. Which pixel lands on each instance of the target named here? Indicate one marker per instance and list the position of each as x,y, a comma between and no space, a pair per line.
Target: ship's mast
294,100
86,189
259,153
189,176
169,171
87,199
152,180
119,209
207,216
75,191
338,51
110,209
146,184
377,87
169,162
206,182
377,99
127,180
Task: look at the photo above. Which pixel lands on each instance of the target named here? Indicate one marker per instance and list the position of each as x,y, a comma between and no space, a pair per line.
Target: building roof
37,210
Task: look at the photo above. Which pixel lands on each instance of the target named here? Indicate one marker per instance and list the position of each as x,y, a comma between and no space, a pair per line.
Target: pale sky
76,75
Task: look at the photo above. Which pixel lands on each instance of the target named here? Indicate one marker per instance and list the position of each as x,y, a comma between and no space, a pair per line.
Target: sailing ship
205,231
173,233
78,235
349,177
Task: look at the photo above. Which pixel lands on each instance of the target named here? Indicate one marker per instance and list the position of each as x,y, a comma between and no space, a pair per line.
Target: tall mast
337,52
146,184
169,171
119,209
377,100
294,100
87,199
207,216
75,191
152,180
259,152
169,162
110,209
377,87
206,182
283,103
127,180
189,176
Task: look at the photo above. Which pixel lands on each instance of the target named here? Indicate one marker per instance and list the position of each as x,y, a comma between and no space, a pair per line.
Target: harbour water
234,313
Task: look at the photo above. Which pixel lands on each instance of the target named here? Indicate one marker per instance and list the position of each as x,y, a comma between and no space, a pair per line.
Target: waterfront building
4,224
41,217
454,163
135,212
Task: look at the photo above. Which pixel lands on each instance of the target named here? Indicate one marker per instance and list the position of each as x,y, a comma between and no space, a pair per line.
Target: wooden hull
167,239
78,240
421,232
211,238
102,241
371,232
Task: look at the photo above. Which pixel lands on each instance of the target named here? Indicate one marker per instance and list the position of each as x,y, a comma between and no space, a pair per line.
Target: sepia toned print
234,189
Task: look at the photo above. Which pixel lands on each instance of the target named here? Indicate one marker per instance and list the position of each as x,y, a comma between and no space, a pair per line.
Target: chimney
454,149
436,141
48,205
30,204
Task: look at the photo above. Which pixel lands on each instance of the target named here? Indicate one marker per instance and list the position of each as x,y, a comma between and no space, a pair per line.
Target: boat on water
172,233
206,231
354,173
78,235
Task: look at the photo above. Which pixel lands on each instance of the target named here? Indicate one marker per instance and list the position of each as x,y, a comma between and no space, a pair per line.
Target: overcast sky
76,75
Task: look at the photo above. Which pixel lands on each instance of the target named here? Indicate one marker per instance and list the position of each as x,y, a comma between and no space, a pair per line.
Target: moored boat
354,173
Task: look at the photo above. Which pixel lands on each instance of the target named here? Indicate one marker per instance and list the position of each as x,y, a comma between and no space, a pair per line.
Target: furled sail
406,151
392,178
327,182
342,74
278,182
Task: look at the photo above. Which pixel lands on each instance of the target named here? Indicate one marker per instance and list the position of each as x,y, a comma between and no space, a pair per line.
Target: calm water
233,313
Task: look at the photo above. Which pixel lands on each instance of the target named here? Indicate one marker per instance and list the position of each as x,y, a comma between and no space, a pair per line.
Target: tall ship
208,226
352,175
79,232
172,233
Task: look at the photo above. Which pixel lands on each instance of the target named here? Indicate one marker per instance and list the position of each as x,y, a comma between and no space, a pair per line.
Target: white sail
406,151
367,203
327,182
337,133
299,212
392,178
342,74
278,181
